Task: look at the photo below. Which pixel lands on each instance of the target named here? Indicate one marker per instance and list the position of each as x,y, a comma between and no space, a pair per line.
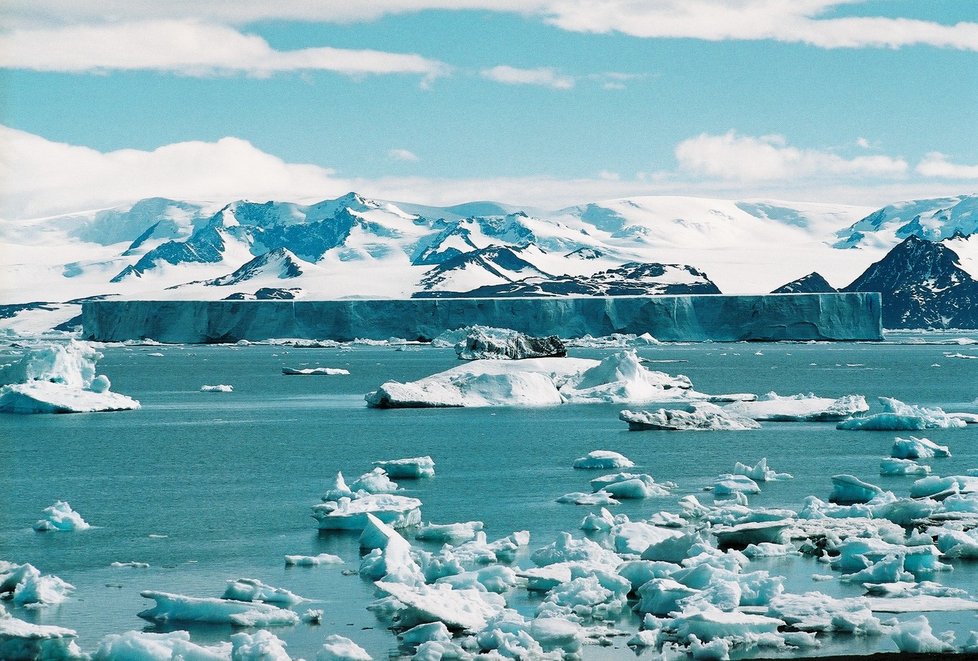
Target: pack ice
58,378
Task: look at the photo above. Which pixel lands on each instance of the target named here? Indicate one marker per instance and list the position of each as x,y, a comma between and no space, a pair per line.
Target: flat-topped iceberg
700,417
351,514
897,416
603,460
800,408
59,378
181,608
60,517
619,378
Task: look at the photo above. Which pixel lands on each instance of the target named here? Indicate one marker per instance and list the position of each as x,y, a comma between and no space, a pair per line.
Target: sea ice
940,488
60,517
629,485
814,611
701,417
223,387
916,636
621,378
314,371
483,342
259,646
917,448
25,641
376,481
635,537
890,467
759,472
849,489
743,535
58,378
449,532
457,609
26,586
347,514
712,623
603,460
800,408
728,485
146,646
181,608
312,560
897,416
411,468
251,589
339,648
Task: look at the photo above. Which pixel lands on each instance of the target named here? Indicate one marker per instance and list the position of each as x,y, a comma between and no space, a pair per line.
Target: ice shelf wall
848,316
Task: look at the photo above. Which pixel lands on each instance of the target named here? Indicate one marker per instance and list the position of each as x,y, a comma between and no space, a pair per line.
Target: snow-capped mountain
813,283
923,286
933,219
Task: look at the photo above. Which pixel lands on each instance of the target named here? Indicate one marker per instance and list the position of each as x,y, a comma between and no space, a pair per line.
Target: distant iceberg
60,517
483,342
800,408
409,468
897,416
59,378
701,417
314,371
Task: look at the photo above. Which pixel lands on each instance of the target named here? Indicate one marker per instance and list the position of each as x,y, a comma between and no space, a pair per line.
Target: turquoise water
209,487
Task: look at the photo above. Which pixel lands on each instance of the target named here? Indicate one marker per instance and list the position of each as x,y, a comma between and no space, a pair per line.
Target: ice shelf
723,318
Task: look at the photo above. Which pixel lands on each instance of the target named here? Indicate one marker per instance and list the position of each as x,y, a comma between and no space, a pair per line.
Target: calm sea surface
209,487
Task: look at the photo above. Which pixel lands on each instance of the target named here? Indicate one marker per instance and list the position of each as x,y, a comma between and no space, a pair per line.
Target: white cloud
769,158
543,76
863,143
192,48
796,21
403,155
40,177
935,164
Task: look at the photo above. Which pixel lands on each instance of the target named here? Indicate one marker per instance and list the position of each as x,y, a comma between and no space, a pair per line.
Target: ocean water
210,487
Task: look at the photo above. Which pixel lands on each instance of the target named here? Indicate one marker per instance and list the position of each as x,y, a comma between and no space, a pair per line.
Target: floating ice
181,608
751,533
457,609
132,564
495,578
142,645
449,532
567,549
769,550
313,616
629,485
412,468
800,408
603,460
661,596
916,636
312,560
347,514
26,586
621,378
814,611
258,646
701,417
760,472
251,589
600,594
674,548
338,648
25,641
728,485
849,489
390,556
483,342
635,537
60,517
58,378
897,416
314,371
376,481
940,488
712,623
223,387
890,466
917,448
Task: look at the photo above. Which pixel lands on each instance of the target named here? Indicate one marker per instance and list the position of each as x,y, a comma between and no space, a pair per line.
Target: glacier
841,317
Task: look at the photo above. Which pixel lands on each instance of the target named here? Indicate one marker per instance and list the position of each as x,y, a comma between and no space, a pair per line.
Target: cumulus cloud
936,164
40,177
403,155
796,21
542,76
746,158
191,48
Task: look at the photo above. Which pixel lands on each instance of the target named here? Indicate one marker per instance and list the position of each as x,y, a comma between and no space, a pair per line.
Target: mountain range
919,253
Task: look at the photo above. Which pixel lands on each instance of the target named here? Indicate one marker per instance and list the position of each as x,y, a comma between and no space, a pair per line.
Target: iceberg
848,490
603,460
702,417
726,486
410,468
917,448
251,589
800,408
259,646
139,645
181,608
890,467
467,609
376,481
25,641
622,378
940,488
897,416
628,485
340,648
222,387
59,378
26,586
314,371
481,342
60,517
312,560
759,472
351,514
449,532
916,636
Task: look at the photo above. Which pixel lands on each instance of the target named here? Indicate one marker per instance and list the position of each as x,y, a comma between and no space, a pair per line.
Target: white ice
312,560
251,589
603,460
221,387
147,646
181,608
916,636
26,586
449,532
701,417
314,371
346,514
890,466
849,489
917,448
339,648
60,517
897,416
800,408
457,609
760,472
21,640
410,468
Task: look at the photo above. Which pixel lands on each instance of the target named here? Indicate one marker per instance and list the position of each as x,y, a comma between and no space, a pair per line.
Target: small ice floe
770,550
221,387
727,485
701,417
467,610
897,416
567,549
814,611
628,485
603,460
312,560
259,646
410,468
339,648
590,499
849,489
313,616
916,636
449,532
752,533
376,481
146,645
59,378
495,578
621,378
917,448
482,342
351,514
181,608
636,537
859,553
957,543
892,467
939,488
800,408
60,517
614,341
602,521
760,472
132,564
26,586
963,356
25,641
314,371
390,556
251,589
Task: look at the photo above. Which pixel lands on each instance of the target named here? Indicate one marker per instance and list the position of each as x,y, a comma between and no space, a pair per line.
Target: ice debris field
692,576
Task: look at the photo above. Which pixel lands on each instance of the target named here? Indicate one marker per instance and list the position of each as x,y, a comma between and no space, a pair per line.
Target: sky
543,103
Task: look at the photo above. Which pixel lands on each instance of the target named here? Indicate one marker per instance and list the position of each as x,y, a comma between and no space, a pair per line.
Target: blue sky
546,103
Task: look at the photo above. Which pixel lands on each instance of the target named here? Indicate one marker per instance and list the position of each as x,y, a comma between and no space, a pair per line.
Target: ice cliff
849,316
